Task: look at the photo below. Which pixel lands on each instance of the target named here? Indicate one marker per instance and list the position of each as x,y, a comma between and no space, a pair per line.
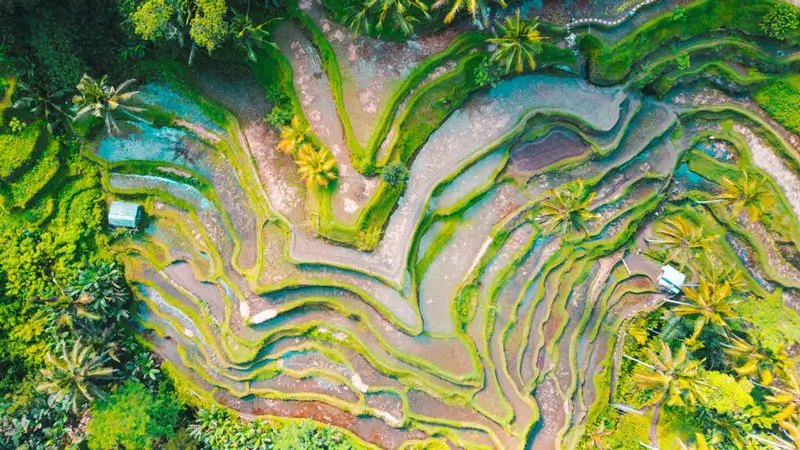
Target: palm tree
679,239
73,374
566,209
786,395
748,193
715,271
247,36
317,167
42,104
97,99
597,437
710,303
791,429
376,13
758,360
293,136
519,43
673,379
475,7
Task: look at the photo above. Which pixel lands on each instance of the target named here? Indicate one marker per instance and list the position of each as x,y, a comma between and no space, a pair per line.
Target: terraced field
442,310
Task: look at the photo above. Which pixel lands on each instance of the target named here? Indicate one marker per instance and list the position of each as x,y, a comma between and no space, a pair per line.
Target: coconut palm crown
293,136
680,239
317,167
476,8
674,379
72,374
376,14
710,303
749,193
519,42
96,98
566,209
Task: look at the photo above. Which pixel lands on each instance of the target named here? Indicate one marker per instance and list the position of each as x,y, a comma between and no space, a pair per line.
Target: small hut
671,280
124,214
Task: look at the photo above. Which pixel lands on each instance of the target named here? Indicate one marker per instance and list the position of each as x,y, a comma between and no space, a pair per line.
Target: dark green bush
779,22
132,417
395,174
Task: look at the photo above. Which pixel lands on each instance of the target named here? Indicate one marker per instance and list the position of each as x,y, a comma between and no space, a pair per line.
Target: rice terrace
400,224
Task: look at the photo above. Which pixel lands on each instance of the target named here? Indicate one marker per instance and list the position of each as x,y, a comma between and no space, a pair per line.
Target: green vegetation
780,99
780,21
133,417
518,44
512,289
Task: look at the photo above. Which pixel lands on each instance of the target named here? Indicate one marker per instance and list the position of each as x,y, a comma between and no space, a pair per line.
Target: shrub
779,22
15,125
684,61
781,99
132,417
395,174
279,116
488,73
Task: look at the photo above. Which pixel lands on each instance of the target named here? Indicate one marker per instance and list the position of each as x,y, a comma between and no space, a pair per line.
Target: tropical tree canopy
566,209
400,15
710,303
293,136
96,98
476,8
680,239
755,359
41,104
749,193
673,379
72,374
519,42
786,395
317,167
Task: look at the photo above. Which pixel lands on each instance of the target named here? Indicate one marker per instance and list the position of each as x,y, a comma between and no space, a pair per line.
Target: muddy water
529,157
439,283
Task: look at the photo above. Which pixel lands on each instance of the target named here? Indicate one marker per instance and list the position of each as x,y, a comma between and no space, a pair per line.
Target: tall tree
202,21
42,105
400,15
519,42
96,98
681,240
293,136
72,374
566,209
477,8
786,395
710,303
756,359
317,167
748,193
673,379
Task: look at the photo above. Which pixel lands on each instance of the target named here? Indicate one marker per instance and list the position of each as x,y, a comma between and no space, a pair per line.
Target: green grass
16,150
610,64
781,99
23,190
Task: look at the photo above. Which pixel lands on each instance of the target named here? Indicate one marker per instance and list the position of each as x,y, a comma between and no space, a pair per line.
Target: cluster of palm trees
517,43
702,321
402,15
316,165
96,100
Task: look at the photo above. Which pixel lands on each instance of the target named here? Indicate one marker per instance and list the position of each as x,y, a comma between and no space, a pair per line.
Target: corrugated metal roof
124,214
